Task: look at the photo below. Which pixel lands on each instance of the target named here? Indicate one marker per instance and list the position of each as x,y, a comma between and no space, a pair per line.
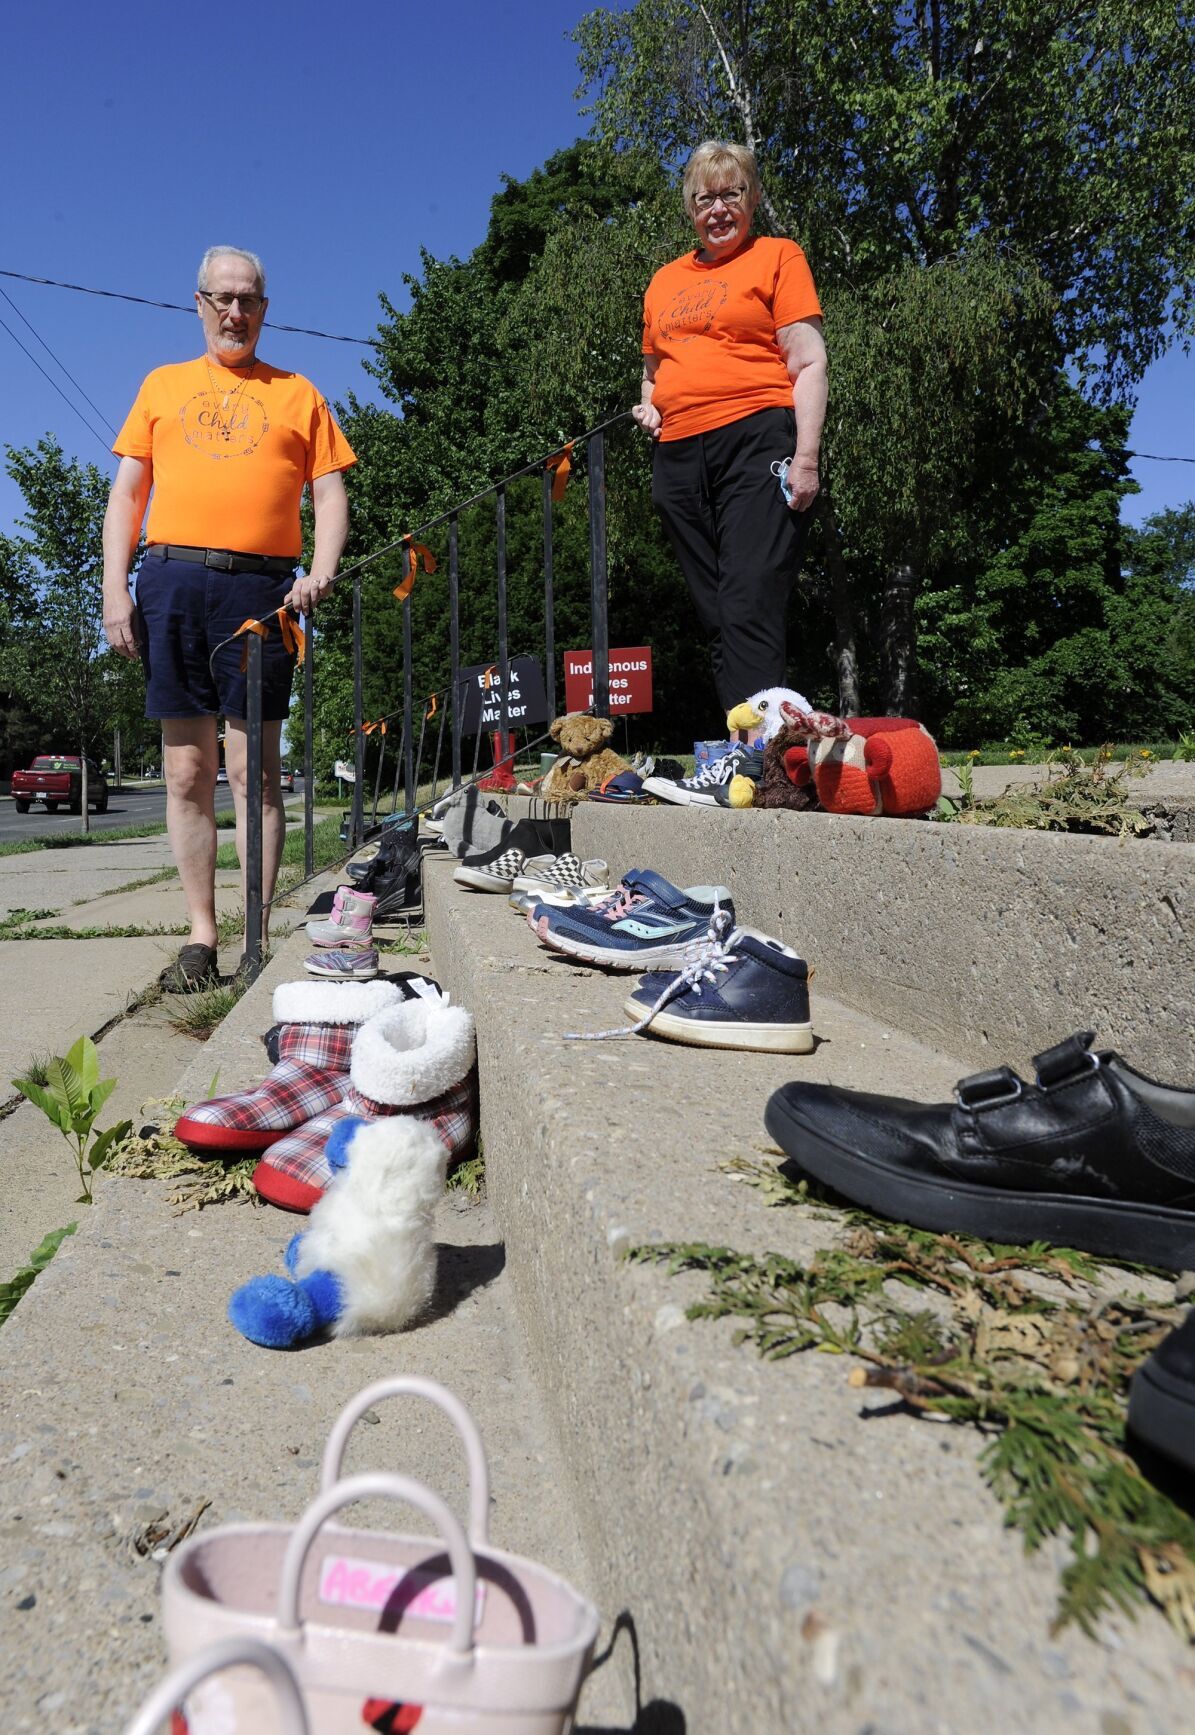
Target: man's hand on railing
648,418
307,593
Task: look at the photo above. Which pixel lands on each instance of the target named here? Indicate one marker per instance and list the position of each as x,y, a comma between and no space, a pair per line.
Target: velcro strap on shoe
999,1084
1067,1059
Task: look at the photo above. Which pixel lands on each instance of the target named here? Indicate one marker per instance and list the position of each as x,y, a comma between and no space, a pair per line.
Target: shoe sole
481,882
647,957
1141,1234
665,791
706,1033
1162,1413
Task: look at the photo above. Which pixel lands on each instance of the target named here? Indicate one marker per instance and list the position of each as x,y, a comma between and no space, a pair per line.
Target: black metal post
598,577
503,646
357,824
408,713
309,752
549,601
253,807
454,632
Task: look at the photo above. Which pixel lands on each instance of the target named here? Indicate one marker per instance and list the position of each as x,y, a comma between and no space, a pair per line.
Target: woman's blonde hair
714,159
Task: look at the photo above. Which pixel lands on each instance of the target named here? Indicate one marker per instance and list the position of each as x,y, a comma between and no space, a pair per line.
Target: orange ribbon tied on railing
291,631
432,709
292,635
368,728
415,553
561,465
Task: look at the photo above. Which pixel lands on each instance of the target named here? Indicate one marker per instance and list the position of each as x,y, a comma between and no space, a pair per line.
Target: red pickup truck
57,779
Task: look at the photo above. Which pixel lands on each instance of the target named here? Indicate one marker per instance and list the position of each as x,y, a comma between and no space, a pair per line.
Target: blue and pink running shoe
646,923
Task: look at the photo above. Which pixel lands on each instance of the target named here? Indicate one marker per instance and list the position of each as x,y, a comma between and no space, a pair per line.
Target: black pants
738,544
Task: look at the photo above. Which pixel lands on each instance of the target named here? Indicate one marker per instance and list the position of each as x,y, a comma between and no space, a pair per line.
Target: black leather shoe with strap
1090,1154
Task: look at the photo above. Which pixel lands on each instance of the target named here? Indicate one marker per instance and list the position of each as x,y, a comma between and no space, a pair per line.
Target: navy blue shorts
183,611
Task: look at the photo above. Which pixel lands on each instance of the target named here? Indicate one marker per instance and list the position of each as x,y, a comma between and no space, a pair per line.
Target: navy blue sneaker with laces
738,989
646,921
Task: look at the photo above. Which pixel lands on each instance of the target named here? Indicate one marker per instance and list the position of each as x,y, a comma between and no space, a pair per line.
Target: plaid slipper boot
317,1023
414,1059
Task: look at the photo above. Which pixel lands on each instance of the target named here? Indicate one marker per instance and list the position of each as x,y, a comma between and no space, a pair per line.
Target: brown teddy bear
585,761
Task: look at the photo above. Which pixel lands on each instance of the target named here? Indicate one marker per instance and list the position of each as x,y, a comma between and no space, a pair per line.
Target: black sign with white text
481,696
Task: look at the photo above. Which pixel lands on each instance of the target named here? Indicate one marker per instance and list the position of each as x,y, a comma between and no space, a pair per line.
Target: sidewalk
54,991
125,1394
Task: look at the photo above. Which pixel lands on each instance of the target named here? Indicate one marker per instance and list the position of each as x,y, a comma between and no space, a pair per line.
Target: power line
1156,458
67,401
177,307
61,364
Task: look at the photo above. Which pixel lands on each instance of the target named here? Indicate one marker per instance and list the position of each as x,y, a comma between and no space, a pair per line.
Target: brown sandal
195,967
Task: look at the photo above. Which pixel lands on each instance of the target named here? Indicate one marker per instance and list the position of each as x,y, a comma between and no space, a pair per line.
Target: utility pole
116,756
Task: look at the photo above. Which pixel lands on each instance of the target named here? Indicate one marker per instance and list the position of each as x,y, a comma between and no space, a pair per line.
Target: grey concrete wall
990,943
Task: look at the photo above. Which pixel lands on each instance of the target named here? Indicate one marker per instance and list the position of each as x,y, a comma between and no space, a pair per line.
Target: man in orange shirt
226,444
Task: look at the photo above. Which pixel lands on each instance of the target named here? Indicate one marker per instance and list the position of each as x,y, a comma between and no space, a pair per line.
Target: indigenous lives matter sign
630,680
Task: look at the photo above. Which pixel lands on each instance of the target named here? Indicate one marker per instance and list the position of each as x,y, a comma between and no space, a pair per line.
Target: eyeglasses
731,197
250,304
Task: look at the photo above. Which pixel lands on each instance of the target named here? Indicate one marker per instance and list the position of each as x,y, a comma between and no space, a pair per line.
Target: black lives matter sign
481,696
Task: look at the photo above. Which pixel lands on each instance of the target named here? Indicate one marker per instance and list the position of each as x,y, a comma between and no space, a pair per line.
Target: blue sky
334,140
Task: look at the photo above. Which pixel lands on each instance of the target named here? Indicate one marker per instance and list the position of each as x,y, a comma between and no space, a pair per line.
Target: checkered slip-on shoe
562,873
496,870
414,1059
317,1023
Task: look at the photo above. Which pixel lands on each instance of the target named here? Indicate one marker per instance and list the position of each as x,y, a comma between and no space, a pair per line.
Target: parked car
57,780
222,775
288,779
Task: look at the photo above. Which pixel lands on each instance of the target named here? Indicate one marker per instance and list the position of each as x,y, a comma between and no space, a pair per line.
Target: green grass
1006,753
199,1014
118,834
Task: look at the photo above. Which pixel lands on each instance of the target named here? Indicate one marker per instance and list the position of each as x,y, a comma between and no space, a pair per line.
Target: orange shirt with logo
712,329
230,453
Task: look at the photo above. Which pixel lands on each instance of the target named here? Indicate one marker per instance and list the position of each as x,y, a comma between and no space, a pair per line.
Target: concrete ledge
791,1556
990,943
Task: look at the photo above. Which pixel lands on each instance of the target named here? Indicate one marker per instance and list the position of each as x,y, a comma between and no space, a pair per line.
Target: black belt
228,560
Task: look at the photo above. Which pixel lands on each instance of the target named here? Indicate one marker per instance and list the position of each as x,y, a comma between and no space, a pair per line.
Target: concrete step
125,1394
989,943
789,1555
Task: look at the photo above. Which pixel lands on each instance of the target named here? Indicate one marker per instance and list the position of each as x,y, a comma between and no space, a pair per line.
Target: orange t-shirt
713,331
230,454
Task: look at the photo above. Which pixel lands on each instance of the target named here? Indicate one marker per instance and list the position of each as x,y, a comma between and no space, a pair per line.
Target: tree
1073,627
892,133
903,145
58,664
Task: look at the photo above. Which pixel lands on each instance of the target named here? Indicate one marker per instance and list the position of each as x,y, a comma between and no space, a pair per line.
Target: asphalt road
134,804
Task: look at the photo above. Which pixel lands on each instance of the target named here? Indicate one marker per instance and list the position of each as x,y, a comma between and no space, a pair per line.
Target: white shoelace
704,959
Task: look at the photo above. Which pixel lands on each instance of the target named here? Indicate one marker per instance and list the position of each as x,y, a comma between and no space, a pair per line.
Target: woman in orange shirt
734,384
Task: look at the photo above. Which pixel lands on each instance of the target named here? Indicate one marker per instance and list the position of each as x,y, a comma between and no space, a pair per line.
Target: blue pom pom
273,1312
325,1294
341,1137
291,1257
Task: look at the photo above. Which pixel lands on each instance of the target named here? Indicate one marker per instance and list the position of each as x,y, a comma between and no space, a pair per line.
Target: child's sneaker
350,964
711,786
739,990
647,921
562,873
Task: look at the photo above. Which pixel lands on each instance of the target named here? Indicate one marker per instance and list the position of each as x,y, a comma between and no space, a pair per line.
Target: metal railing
593,444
